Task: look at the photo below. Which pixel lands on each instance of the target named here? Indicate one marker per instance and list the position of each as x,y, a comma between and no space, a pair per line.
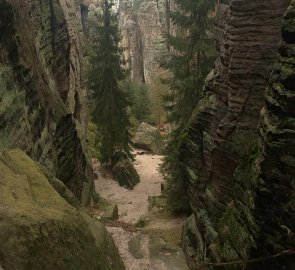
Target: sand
141,250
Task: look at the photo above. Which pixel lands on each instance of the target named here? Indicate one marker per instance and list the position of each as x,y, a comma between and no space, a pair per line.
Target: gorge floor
155,246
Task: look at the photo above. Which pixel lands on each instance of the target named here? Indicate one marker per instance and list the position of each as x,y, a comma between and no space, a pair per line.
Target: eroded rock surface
275,200
42,93
223,168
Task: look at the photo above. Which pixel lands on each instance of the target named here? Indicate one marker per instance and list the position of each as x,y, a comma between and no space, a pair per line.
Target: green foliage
110,104
174,173
139,99
191,59
92,141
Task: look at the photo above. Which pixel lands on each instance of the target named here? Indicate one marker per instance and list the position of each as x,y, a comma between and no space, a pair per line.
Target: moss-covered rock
40,230
60,187
148,138
125,173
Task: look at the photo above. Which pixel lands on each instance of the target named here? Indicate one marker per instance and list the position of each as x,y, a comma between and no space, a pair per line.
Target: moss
143,221
170,235
103,204
159,202
64,192
92,137
237,227
40,230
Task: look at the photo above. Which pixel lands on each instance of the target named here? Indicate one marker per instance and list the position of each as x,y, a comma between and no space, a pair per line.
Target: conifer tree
191,59
110,103
138,95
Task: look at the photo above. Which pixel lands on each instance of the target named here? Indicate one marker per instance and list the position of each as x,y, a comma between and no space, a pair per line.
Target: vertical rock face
42,111
144,24
221,181
275,199
42,95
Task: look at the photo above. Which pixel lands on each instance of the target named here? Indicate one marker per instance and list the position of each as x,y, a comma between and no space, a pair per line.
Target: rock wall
43,112
42,93
223,165
143,25
275,198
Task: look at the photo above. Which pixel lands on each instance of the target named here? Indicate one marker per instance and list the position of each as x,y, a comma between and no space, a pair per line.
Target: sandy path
138,250
133,203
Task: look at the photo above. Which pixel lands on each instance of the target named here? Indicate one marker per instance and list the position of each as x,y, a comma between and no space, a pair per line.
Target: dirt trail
143,249
133,203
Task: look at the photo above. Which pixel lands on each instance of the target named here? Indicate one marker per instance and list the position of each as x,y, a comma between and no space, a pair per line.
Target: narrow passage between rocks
146,235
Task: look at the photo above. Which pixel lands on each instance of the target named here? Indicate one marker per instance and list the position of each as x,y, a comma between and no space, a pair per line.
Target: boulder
148,138
111,213
125,173
40,230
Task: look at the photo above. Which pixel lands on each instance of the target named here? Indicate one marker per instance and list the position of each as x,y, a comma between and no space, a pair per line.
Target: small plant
142,222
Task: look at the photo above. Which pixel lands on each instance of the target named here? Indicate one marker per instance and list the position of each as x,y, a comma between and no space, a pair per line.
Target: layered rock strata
274,209
222,167
42,93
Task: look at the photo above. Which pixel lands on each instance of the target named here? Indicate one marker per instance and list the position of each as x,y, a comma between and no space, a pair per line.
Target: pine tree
110,112
138,95
191,59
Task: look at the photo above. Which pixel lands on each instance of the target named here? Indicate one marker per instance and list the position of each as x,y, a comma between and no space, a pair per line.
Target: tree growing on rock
110,103
191,58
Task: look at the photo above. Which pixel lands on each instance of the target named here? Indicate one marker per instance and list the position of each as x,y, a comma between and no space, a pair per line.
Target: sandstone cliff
275,198
143,25
42,93
223,168
43,112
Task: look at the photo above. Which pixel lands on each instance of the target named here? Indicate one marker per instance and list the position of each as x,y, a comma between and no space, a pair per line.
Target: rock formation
43,112
229,184
125,173
275,198
148,138
144,24
39,230
42,93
